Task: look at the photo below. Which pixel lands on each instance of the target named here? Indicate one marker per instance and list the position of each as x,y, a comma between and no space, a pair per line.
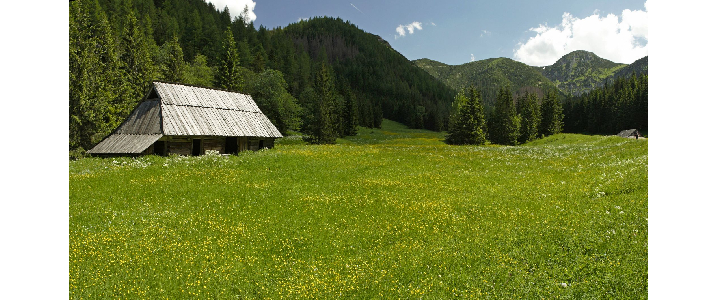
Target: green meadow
390,213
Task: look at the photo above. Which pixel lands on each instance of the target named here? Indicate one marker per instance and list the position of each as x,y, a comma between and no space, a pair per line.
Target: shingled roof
171,109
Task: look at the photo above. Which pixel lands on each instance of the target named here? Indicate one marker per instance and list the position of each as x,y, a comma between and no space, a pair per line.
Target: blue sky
451,31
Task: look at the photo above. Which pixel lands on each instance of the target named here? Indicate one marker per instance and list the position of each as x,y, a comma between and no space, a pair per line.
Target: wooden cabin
188,120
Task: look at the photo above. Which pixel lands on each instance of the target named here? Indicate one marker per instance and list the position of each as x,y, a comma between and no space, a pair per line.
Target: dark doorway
160,148
261,144
230,145
196,147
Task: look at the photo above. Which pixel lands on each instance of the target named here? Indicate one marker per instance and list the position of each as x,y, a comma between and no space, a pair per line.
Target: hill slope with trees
573,74
582,71
118,47
489,76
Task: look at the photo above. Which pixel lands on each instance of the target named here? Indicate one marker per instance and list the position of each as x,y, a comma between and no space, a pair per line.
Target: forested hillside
489,76
580,72
573,74
620,105
378,74
320,69
638,67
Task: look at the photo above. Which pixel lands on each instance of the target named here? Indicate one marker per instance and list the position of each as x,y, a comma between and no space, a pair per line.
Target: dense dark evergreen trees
610,109
530,115
504,123
551,115
96,85
509,123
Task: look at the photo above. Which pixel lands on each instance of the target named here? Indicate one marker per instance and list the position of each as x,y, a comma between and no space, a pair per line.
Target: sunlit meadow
390,213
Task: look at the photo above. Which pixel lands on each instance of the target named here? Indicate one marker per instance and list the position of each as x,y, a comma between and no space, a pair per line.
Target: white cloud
302,19
485,33
472,57
236,7
623,39
402,29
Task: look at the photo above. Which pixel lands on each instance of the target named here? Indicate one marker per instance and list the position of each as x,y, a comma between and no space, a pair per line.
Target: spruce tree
530,118
467,123
139,68
551,115
228,73
95,86
174,65
349,111
504,124
245,57
260,59
349,114
321,125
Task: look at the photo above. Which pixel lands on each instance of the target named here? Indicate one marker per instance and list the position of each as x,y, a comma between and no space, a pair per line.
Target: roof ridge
232,109
197,86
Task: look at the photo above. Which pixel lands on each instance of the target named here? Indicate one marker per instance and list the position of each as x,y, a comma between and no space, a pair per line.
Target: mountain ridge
573,74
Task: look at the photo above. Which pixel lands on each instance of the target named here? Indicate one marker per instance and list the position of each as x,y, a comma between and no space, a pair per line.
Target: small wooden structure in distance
188,120
630,133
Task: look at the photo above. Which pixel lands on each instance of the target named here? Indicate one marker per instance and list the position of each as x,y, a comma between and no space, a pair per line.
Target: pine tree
321,125
174,65
245,57
378,115
504,124
139,68
229,74
551,115
349,114
260,59
467,123
530,118
95,86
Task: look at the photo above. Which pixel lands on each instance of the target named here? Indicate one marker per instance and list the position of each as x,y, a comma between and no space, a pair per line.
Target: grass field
390,213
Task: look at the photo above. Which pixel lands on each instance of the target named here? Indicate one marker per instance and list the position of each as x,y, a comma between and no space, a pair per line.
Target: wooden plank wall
181,146
214,143
242,143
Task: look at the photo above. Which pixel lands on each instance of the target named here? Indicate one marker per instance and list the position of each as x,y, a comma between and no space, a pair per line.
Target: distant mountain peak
574,73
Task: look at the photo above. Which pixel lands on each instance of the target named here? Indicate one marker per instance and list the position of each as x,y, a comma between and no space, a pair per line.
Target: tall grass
392,213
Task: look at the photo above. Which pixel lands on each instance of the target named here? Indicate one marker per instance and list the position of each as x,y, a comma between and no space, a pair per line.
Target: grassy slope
401,215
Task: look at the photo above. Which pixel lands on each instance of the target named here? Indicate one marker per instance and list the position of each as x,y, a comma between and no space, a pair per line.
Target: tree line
610,109
620,105
321,67
509,123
